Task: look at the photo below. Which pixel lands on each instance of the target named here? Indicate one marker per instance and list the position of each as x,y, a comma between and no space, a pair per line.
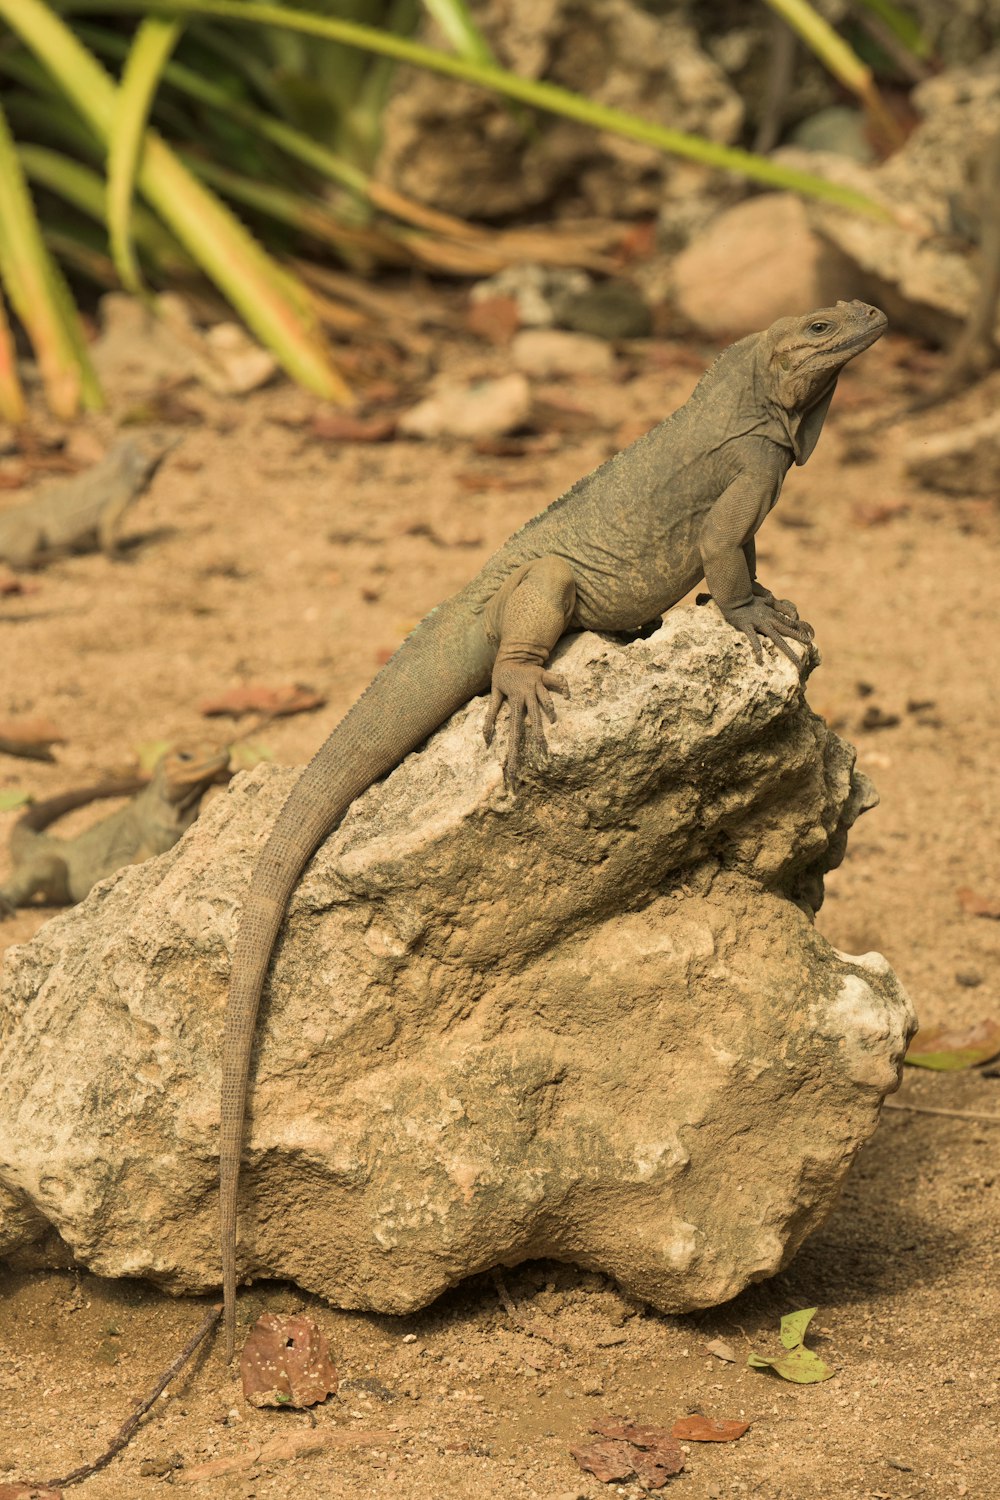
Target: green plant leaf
902,25
38,293
947,1048
794,1325
541,95
273,302
155,40
151,753
13,797
841,59
799,1364
457,23
12,405
85,190
245,754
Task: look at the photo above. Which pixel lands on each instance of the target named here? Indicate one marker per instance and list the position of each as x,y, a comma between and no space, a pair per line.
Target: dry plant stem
951,1114
125,1432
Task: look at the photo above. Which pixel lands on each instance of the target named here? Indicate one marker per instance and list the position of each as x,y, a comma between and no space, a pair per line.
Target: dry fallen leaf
976,905
278,702
698,1429
495,319
652,1454
30,738
607,1460
348,427
879,514
286,1362
721,1350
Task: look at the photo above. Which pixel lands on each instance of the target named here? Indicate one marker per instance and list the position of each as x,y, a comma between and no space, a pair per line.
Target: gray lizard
78,514
62,871
618,549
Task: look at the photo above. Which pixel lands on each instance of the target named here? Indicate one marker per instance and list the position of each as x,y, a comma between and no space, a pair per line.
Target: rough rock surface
961,460
593,1022
464,151
756,262
924,269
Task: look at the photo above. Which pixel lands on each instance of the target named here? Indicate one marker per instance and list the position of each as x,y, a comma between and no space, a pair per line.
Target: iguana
77,514
614,552
62,871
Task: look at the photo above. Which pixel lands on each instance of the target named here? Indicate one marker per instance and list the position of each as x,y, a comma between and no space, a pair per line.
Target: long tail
444,663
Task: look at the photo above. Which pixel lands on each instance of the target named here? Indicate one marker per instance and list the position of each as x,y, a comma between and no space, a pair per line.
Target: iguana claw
527,689
773,618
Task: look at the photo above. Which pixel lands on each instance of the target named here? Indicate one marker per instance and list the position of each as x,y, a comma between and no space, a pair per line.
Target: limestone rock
547,352
922,268
754,263
463,151
489,408
592,1022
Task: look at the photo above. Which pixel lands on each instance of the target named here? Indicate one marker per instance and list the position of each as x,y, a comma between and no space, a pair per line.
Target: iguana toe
528,690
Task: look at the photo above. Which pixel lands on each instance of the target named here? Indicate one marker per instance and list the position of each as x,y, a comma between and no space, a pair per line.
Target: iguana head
804,357
185,771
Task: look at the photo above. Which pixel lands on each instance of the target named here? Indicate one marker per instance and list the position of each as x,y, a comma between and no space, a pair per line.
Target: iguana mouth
859,340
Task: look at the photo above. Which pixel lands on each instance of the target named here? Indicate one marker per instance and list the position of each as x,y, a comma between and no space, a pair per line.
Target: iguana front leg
729,560
527,617
783,606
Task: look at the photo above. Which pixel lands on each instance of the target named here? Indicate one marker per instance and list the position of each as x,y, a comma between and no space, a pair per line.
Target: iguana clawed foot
528,689
774,618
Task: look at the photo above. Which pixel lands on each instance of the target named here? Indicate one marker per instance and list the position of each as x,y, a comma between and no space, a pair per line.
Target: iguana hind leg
42,875
528,616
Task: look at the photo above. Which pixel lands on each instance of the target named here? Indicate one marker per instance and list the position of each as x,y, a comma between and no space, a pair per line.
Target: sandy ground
262,554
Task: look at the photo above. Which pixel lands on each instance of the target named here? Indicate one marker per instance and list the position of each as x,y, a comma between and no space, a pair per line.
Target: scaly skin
62,871
618,549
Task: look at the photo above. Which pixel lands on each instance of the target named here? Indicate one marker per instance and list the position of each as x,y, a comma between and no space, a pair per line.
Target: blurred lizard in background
62,871
79,514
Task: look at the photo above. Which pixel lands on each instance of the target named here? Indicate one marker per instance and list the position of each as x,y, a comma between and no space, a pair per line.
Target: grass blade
842,61
155,40
288,138
541,95
459,29
12,407
273,303
85,190
38,293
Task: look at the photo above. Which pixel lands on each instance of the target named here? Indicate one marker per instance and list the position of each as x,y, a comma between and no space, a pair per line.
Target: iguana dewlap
617,550
63,871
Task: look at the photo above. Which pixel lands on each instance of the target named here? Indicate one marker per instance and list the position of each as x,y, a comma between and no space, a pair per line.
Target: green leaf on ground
794,1325
800,1364
13,797
151,753
946,1048
246,754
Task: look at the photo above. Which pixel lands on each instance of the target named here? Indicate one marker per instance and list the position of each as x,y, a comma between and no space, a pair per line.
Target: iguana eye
818,327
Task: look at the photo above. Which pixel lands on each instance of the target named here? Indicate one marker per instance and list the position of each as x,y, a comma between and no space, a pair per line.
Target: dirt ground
265,554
